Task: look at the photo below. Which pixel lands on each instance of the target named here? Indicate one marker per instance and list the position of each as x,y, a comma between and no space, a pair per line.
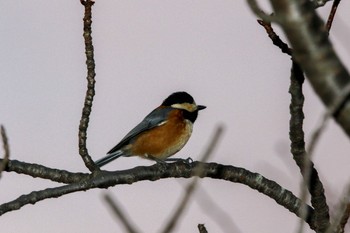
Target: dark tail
108,158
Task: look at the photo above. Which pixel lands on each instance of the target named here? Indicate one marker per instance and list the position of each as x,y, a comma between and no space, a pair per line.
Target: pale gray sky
144,51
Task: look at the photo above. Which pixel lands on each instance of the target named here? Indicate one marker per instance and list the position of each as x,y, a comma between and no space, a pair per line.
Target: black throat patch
191,116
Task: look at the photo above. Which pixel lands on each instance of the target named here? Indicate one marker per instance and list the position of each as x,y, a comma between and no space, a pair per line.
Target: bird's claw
187,161
162,164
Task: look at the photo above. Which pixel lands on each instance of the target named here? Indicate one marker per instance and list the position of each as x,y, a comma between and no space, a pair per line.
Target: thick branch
313,51
105,179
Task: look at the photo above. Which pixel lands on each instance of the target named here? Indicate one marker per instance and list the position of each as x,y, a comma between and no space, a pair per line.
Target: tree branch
276,40
89,97
105,179
311,179
313,51
40,171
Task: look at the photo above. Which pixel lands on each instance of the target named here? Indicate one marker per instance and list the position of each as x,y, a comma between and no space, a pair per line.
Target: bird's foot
162,164
187,161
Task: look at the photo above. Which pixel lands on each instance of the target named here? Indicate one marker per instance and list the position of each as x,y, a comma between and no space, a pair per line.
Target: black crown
178,98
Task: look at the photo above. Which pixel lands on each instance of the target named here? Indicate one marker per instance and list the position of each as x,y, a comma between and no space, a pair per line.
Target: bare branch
89,97
36,196
313,51
311,180
276,40
5,144
192,186
119,213
36,170
105,179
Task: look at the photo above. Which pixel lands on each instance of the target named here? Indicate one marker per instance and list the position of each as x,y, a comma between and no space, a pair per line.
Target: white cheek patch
185,106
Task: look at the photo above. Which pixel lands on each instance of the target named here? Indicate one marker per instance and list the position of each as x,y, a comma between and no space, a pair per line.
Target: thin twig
192,186
118,212
89,97
332,14
276,40
5,144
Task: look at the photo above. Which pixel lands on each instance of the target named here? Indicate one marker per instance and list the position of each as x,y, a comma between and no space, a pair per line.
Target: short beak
200,107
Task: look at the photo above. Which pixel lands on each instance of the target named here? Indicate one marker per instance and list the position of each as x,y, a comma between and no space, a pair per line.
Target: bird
162,133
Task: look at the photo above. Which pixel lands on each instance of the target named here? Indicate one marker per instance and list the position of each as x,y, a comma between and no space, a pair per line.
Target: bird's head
182,100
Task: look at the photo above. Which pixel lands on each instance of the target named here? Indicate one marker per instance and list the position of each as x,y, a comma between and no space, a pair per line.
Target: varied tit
161,133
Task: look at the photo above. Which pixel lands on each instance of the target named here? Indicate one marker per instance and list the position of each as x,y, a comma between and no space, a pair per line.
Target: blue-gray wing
155,118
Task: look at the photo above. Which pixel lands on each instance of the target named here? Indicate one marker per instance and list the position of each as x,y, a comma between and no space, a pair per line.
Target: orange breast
164,140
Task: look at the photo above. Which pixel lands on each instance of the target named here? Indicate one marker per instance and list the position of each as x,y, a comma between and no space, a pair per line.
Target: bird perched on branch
161,133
